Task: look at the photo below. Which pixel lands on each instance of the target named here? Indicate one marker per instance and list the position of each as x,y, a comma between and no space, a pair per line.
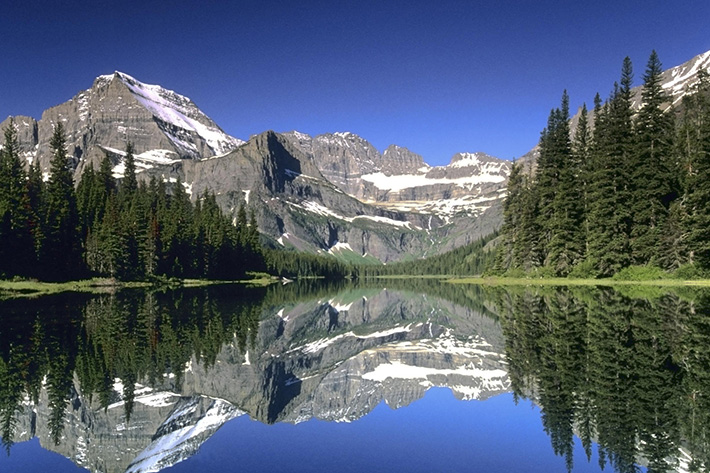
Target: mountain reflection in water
137,381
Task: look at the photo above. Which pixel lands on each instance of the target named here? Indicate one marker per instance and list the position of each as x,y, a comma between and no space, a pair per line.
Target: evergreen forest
623,189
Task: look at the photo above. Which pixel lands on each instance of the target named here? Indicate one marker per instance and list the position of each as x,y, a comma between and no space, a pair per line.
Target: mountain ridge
330,193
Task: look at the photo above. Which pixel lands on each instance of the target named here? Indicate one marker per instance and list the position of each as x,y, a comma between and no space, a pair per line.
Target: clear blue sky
435,76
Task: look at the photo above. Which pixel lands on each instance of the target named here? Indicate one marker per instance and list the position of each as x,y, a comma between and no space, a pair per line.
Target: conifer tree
654,178
61,250
609,216
129,185
528,247
565,247
16,244
583,167
510,228
694,150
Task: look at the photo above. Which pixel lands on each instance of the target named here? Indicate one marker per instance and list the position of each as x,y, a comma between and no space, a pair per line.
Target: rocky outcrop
296,205
162,125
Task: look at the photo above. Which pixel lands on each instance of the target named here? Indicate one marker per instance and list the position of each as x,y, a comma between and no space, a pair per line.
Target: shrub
584,270
640,273
689,271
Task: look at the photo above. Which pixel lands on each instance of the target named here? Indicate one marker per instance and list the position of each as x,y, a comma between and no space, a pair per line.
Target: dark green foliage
131,336
127,232
471,259
17,252
654,178
129,184
60,255
609,195
291,264
628,373
693,142
635,191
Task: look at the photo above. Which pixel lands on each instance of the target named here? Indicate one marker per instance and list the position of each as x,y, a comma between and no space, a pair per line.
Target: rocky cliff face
400,180
163,126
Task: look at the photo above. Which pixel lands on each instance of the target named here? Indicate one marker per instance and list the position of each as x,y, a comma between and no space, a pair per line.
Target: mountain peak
460,160
177,113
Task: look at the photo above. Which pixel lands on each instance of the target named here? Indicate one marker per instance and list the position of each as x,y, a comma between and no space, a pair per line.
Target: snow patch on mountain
399,370
179,111
407,181
685,76
387,221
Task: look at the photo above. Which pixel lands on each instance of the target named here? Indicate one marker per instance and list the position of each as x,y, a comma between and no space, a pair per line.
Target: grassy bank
31,288
578,282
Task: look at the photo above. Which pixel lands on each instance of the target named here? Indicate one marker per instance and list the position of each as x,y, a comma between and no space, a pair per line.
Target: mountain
333,193
400,180
164,126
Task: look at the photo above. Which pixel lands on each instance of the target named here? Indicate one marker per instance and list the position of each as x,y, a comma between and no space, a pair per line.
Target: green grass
502,281
30,288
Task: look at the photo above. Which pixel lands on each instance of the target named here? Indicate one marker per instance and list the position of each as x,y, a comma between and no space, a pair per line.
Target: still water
352,377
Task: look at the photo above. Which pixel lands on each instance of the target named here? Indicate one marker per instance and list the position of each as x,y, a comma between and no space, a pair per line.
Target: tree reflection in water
628,369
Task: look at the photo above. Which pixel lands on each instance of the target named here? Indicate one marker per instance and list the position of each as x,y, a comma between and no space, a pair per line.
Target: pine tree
611,164
129,185
16,244
35,199
564,220
61,251
528,247
581,145
510,228
694,150
654,183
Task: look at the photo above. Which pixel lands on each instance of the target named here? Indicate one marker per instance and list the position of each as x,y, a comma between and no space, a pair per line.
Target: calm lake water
418,376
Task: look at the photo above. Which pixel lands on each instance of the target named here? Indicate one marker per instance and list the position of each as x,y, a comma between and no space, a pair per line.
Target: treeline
51,231
471,259
292,264
627,189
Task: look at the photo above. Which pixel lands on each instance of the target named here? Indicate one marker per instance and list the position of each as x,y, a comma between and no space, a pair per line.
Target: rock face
163,126
333,193
399,179
333,359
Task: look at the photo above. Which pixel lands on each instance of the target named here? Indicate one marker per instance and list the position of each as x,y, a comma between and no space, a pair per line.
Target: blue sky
437,77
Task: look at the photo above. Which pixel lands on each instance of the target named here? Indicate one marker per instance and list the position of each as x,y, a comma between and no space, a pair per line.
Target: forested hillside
129,231
624,189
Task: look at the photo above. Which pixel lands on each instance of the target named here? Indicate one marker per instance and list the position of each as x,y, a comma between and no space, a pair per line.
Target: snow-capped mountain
400,180
162,125
333,193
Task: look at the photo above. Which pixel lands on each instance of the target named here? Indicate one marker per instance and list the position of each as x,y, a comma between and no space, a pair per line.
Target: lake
356,377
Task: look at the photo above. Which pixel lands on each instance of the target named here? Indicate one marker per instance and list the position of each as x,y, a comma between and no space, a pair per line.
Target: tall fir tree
609,216
511,226
694,150
61,249
16,244
654,180
563,221
129,184
581,145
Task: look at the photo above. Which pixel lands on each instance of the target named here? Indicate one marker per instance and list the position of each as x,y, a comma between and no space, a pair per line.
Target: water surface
307,377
